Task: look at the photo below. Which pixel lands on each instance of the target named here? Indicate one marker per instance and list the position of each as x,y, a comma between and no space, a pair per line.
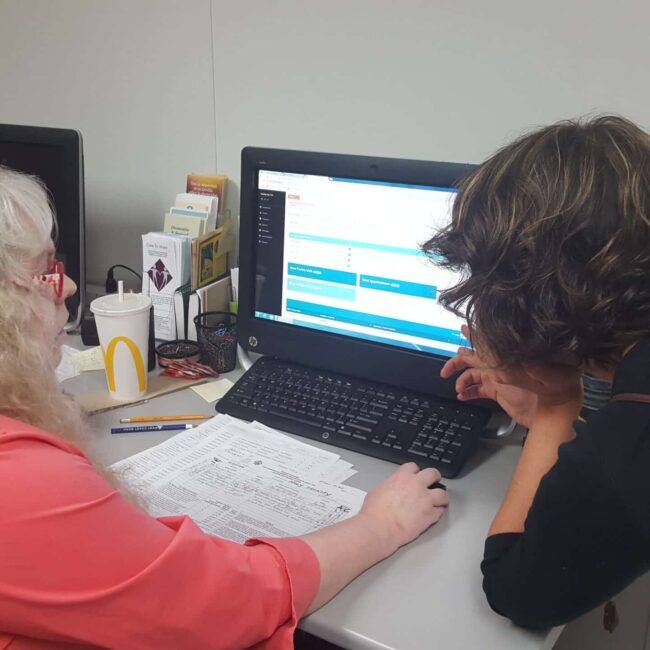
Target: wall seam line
214,92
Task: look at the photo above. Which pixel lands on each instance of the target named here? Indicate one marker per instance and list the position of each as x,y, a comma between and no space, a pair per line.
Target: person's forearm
344,551
551,426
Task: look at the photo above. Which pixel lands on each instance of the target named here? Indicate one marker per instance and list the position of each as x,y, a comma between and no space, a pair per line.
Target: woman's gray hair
26,222
29,390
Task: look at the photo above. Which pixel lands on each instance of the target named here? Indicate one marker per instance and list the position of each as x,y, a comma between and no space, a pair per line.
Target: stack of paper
212,185
166,260
74,362
239,480
192,214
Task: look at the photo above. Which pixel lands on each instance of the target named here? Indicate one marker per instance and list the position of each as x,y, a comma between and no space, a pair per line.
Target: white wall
135,77
434,79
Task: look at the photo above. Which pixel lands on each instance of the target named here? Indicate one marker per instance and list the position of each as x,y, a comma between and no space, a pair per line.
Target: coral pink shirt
79,563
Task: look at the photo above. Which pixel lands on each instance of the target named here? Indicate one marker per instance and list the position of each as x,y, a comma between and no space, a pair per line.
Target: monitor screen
331,270
342,255
55,156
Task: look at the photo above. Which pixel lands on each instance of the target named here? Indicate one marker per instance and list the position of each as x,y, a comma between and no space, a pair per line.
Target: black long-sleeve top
587,533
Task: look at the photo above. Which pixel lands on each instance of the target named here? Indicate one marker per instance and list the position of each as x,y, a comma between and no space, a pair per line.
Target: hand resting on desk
393,514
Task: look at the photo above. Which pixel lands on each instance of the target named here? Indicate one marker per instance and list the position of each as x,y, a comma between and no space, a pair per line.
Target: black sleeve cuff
496,545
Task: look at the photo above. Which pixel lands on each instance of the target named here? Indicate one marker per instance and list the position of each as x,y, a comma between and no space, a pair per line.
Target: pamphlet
210,184
166,267
197,205
181,224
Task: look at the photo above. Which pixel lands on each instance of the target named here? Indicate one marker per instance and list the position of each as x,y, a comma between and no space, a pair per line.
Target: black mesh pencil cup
216,332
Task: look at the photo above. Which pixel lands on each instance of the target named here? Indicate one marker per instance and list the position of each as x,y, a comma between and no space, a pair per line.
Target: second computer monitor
55,156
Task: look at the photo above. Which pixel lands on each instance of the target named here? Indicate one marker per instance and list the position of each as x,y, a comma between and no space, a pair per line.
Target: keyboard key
363,418
295,418
359,427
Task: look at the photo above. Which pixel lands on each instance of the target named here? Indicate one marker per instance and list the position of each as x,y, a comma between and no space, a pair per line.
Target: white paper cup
123,330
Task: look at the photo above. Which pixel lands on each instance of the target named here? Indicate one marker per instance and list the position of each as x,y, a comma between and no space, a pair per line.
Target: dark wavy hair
552,238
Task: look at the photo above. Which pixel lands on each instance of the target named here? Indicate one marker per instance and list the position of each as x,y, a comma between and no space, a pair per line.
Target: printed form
239,480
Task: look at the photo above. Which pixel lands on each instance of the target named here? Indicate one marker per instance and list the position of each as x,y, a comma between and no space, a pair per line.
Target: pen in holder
216,332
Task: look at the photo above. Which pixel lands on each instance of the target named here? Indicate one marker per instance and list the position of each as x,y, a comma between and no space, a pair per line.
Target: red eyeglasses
55,277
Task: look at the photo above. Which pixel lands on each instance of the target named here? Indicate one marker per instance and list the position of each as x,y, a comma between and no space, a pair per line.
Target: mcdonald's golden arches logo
109,362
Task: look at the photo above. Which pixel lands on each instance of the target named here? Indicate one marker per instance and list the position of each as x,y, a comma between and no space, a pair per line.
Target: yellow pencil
165,418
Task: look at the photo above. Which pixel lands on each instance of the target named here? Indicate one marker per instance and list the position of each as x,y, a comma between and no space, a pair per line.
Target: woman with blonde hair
552,234
79,563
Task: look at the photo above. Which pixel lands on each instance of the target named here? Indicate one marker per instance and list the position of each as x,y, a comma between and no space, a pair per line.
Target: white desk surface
428,594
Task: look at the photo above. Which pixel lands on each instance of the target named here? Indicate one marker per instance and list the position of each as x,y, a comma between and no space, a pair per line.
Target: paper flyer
166,267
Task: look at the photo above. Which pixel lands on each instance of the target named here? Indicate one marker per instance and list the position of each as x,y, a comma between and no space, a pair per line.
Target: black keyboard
373,419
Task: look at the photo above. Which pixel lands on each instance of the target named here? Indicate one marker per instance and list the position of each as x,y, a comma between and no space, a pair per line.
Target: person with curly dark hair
552,237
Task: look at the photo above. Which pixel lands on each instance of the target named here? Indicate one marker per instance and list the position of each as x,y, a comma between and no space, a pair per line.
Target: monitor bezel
357,357
71,144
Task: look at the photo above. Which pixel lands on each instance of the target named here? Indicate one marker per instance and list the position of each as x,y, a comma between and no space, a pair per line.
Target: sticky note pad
213,390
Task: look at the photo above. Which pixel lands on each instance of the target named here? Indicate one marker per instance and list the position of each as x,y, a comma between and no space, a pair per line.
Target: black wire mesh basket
216,333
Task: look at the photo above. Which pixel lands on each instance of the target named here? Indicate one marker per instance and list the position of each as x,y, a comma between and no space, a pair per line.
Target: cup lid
111,305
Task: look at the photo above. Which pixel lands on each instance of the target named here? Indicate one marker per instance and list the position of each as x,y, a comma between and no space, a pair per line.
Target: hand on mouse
403,506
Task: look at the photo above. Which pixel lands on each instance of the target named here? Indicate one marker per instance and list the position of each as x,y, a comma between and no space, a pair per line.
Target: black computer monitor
56,157
331,271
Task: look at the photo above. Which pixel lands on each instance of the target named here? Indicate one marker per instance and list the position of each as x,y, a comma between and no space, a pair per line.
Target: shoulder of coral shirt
75,554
